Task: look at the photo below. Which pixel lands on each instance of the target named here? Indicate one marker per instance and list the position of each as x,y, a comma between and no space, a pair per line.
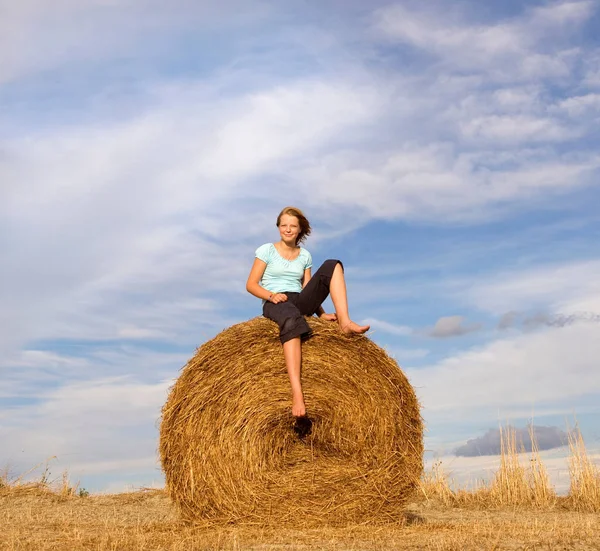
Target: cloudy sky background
449,154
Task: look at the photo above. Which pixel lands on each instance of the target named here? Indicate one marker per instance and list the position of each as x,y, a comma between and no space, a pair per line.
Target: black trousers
289,315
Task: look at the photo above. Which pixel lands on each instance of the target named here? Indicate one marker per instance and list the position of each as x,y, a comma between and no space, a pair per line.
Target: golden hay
229,452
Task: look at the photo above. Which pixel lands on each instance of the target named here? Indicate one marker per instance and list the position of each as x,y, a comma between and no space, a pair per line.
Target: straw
229,451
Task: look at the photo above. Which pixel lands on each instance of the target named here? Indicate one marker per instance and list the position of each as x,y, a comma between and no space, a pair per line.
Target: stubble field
145,520
518,509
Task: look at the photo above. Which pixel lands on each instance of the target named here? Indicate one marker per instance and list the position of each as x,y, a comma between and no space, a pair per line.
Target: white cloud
97,426
39,358
550,369
281,122
434,182
591,69
515,129
592,79
563,13
452,326
509,49
81,33
555,366
38,377
517,98
425,29
124,206
560,288
577,106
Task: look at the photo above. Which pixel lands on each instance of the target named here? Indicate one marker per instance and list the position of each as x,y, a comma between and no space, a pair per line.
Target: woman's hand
328,317
276,298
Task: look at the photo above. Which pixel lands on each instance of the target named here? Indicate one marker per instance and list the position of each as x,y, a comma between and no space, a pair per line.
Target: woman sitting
281,276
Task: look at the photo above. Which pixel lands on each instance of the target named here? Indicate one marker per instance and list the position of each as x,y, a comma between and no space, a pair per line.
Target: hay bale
229,452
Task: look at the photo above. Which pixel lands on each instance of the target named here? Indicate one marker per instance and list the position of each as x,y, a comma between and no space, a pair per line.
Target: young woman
281,276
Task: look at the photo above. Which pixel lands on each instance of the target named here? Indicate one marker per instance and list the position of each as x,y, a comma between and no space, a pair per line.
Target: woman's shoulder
265,251
305,255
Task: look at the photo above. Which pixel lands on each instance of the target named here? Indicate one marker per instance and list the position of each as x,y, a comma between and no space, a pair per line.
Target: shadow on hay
303,426
230,449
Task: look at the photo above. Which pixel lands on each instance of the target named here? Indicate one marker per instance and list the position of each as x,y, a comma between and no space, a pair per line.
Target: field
517,510
146,521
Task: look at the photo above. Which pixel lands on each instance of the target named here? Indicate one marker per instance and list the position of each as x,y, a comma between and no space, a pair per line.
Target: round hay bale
229,453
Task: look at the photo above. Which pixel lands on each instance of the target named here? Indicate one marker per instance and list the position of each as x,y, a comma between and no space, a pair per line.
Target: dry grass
517,510
19,486
516,485
229,452
146,521
584,494
521,486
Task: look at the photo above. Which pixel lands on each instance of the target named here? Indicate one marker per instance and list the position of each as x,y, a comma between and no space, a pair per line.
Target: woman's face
289,228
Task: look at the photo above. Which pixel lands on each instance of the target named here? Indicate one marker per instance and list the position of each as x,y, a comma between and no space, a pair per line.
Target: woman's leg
339,297
329,280
292,326
292,352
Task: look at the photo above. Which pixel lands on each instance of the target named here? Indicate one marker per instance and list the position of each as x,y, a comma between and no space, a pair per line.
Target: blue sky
448,154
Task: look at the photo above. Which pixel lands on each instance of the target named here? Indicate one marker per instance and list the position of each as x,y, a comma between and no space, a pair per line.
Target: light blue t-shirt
282,275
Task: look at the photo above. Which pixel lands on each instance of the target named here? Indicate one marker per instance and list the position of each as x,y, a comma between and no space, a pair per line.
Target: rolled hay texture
229,453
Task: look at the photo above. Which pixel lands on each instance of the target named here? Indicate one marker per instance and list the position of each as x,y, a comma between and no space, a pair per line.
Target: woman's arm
253,284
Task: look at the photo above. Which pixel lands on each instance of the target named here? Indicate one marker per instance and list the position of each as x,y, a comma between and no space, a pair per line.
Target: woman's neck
284,246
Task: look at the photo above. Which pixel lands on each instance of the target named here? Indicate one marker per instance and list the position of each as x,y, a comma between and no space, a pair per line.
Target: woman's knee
289,323
330,264
293,326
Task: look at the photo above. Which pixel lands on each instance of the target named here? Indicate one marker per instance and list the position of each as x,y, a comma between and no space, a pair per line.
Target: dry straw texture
229,452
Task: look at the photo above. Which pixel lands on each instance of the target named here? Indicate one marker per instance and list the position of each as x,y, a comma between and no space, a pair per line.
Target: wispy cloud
451,326
97,231
120,414
431,181
519,47
559,288
74,34
511,374
529,369
532,321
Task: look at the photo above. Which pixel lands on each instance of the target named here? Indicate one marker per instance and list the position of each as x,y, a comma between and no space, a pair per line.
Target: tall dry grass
516,484
584,492
22,485
436,486
519,483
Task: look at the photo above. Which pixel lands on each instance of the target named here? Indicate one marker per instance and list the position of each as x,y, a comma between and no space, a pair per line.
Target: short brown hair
302,220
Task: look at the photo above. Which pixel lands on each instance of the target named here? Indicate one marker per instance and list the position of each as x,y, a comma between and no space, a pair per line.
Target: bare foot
352,327
302,426
298,407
